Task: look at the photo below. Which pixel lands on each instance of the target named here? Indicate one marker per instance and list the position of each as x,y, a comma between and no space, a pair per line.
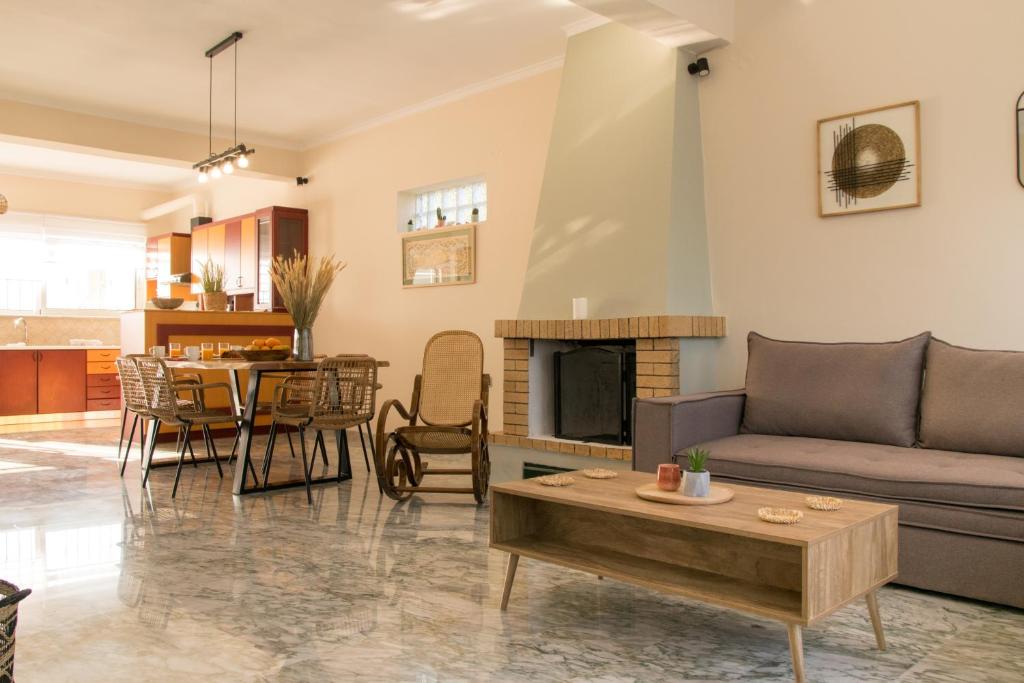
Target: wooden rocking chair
449,400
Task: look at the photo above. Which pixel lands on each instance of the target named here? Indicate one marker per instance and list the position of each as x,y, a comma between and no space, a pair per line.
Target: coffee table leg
796,651
510,576
876,618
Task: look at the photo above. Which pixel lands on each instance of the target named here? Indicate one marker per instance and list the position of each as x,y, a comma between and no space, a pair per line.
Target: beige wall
45,195
501,135
953,265
625,142
64,128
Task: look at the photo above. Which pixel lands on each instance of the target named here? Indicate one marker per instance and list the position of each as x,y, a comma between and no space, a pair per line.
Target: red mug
669,477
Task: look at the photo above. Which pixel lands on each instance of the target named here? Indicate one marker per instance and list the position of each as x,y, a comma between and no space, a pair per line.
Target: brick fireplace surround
657,368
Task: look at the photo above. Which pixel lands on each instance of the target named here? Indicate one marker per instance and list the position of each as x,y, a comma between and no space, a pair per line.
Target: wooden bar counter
141,330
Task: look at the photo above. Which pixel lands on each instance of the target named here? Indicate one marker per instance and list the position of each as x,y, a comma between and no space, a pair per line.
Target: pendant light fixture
223,163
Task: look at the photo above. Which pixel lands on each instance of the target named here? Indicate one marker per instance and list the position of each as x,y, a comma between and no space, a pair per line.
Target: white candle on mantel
579,308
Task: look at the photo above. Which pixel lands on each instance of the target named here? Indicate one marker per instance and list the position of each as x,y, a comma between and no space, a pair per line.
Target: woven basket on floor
10,596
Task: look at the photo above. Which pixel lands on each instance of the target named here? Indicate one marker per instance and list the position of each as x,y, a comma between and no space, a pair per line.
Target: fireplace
652,345
594,388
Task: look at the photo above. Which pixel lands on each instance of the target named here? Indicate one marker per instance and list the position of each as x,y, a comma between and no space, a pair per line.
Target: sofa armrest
663,426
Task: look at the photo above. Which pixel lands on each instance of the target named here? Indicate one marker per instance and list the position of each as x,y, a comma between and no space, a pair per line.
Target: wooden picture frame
870,160
439,256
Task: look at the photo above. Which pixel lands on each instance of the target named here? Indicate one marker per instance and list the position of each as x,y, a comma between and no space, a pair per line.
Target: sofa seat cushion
849,391
899,474
973,400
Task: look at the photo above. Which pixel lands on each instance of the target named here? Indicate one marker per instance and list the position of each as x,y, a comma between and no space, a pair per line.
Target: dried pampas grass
303,292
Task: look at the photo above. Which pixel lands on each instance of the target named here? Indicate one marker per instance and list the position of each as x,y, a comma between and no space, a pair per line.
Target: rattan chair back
131,385
158,385
452,380
344,391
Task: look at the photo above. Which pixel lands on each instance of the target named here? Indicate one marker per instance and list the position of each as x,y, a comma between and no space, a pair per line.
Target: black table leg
344,463
247,427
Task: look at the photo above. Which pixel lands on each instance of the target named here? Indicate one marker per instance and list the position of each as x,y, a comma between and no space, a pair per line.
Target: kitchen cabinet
245,247
18,381
281,231
48,381
61,381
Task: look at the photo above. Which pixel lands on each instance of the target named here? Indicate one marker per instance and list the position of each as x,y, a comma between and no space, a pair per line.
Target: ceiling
30,160
307,69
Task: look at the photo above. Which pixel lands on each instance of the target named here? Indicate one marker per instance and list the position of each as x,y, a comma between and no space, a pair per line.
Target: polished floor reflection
131,585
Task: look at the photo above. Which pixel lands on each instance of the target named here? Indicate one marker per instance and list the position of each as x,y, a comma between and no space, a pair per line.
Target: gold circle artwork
3,204
868,160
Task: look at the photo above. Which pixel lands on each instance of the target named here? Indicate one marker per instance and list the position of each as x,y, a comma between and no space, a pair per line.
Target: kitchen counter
56,347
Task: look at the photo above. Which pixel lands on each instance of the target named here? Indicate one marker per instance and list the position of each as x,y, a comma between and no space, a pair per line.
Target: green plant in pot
696,478
213,297
303,293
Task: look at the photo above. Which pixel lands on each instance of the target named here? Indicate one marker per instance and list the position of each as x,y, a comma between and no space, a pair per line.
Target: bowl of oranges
270,348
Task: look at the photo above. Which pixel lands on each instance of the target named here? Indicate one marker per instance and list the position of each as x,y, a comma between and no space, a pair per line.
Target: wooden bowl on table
257,355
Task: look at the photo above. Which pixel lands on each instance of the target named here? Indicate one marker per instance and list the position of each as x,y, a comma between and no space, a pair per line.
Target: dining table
257,370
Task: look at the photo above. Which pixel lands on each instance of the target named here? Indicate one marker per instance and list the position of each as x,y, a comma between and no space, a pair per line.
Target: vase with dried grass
213,298
302,290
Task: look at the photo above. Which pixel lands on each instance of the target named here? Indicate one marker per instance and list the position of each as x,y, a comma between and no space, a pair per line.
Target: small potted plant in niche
696,478
213,297
440,218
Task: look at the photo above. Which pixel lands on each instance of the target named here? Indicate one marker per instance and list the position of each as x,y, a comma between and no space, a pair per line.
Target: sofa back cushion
973,401
847,391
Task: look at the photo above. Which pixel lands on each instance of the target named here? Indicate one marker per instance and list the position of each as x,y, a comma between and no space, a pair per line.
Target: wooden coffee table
720,554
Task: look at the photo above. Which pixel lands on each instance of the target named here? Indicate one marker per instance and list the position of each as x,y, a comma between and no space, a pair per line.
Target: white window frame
419,204
43,225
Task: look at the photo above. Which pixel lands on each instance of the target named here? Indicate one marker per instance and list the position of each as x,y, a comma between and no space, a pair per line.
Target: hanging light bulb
227,167
215,172
203,175
243,161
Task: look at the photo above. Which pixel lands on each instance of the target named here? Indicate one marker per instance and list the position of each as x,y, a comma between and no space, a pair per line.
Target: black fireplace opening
595,384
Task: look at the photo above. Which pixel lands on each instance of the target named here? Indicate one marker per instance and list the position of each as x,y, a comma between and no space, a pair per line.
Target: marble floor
131,585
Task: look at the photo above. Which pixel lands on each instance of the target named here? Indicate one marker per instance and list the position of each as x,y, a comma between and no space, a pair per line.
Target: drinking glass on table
223,347
207,350
175,349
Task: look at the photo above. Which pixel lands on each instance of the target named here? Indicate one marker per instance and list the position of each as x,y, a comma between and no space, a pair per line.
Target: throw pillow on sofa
973,400
847,391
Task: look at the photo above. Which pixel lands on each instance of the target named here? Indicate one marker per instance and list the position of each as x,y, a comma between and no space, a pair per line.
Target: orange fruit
272,341
257,342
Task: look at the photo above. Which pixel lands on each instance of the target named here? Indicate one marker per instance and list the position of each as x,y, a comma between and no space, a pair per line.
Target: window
456,202
55,263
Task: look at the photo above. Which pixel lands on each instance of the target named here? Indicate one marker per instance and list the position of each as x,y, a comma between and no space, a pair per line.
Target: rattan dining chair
134,397
341,395
449,399
167,407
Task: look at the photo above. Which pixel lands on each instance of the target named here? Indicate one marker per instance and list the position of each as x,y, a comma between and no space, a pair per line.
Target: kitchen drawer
102,355
101,368
102,381
103,392
103,404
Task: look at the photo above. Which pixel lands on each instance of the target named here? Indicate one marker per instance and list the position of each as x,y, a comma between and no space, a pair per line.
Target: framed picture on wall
440,256
870,160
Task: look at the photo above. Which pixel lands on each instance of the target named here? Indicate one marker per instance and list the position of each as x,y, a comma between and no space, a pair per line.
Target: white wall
953,265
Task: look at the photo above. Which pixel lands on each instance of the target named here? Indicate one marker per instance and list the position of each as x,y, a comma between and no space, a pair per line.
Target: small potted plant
696,478
213,297
441,218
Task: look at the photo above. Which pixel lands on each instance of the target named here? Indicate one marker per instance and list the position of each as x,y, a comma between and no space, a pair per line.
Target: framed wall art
440,256
870,160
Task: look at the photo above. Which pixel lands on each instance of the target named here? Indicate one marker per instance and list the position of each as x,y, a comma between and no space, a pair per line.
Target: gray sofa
931,427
